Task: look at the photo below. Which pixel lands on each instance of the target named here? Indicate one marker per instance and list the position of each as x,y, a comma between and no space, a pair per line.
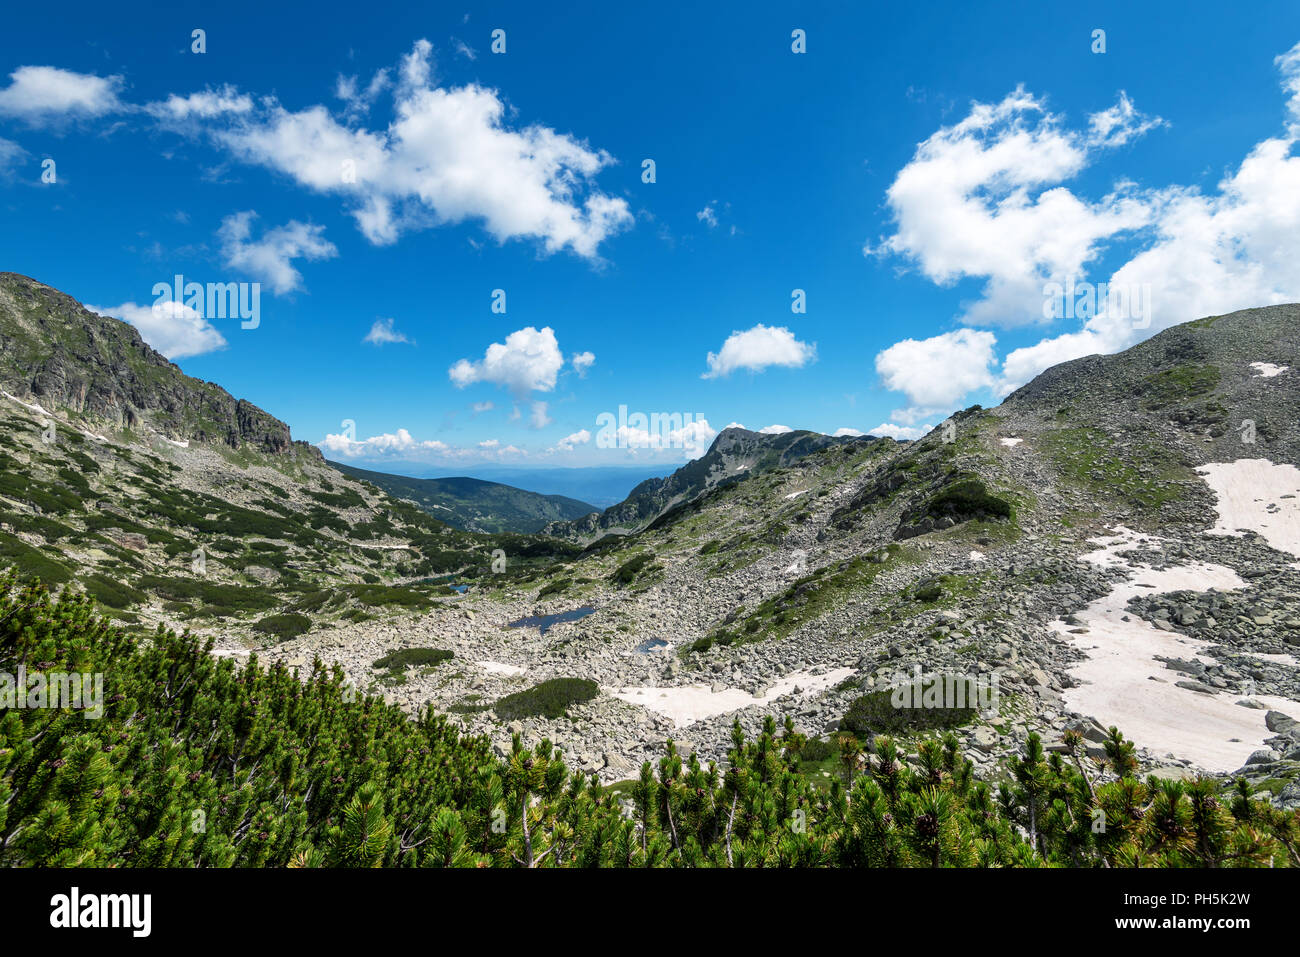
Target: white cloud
940,370
270,259
204,105
402,445
447,156
570,442
1206,254
480,407
529,360
390,443
984,199
539,419
914,414
173,328
1119,124
358,100
582,362
840,433
775,430
37,93
708,216
757,348
900,431
11,154
692,437
382,331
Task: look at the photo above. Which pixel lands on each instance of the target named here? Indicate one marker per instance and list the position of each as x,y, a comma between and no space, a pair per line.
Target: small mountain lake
544,622
650,645
447,580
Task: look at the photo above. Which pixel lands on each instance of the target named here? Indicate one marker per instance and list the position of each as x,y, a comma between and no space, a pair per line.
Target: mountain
171,502
601,485
56,353
735,454
475,505
1113,546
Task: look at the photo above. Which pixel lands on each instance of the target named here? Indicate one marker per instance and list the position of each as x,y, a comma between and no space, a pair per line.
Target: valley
1102,545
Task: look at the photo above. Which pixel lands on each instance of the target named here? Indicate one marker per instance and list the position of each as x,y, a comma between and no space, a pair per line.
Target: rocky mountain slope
57,353
735,454
1110,546
475,505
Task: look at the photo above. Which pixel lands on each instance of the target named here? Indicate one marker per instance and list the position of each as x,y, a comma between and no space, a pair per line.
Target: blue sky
923,174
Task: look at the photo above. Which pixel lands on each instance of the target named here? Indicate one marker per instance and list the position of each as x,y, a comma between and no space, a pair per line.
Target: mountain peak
57,352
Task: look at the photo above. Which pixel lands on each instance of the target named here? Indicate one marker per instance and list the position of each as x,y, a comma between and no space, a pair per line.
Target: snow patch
1259,495
500,668
31,408
1123,684
1267,370
976,556
1010,442
687,704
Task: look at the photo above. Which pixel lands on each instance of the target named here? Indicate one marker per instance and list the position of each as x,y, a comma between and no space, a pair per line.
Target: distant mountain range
475,505
735,454
601,485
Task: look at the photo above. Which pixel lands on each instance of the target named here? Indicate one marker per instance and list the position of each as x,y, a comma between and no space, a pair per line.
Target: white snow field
1267,370
690,703
1259,495
1122,683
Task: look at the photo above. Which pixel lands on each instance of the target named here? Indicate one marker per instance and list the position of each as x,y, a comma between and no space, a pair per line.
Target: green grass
807,599
1146,479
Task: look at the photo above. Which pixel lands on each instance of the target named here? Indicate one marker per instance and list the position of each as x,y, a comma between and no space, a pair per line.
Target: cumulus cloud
173,328
940,370
708,216
841,432
447,155
572,441
270,259
693,437
775,430
1119,124
901,432
11,154
538,419
204,105
382,332
480,407
37,94
358,99
528,361
985,199
1205,254
389,443
582,362
758,348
